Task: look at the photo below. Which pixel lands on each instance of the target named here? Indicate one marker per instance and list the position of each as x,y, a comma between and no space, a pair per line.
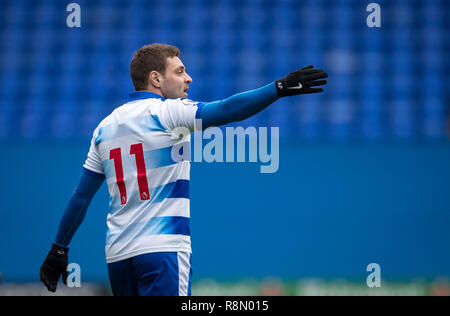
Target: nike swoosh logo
297,87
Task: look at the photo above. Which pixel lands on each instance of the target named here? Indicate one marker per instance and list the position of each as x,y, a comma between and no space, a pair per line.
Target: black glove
301,81
54,265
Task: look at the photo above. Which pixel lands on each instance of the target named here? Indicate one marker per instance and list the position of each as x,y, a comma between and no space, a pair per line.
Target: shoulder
180,102
130,110
188,102
108,120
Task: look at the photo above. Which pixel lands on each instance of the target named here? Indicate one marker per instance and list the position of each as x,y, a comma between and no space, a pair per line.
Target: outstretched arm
243,105
56,262
237,107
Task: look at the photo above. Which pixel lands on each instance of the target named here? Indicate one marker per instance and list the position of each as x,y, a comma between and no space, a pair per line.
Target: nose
188,78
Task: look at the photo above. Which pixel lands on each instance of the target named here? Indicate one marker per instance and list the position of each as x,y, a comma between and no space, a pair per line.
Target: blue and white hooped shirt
149,190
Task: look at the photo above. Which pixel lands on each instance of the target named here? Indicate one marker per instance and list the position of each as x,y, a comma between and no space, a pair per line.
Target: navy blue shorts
152,274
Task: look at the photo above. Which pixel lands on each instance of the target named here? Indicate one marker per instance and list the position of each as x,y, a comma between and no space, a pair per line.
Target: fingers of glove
51,286
315,76
311,71
313,90
49,277
316,83
65,274
303,72
49,283
307,67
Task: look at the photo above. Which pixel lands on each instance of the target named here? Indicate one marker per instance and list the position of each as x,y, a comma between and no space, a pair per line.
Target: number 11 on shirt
138,151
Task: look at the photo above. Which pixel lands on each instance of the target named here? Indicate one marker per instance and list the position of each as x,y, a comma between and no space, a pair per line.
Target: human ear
155,79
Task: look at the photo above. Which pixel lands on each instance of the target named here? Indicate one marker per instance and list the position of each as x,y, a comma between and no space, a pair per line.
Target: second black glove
54,265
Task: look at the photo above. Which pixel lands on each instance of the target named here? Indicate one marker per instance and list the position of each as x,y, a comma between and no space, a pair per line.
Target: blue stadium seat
237,45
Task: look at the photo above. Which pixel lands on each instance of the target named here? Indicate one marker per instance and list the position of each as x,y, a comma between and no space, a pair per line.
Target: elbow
79,200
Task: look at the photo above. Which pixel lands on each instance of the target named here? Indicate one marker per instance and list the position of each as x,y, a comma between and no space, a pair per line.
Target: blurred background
364,171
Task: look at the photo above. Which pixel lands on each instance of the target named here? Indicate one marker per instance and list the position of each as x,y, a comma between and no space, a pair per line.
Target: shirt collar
138,95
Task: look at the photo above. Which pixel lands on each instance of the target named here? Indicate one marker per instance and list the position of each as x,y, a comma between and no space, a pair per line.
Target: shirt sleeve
238,107
93,161
179,113
76,209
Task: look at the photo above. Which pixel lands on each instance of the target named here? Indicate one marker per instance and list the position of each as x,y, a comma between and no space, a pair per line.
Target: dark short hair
148,58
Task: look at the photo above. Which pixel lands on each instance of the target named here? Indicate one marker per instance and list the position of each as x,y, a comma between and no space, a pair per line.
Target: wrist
60,250
280,87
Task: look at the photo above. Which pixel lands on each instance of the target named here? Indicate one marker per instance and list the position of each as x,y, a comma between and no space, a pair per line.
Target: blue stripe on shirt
136,125
166,225
177,189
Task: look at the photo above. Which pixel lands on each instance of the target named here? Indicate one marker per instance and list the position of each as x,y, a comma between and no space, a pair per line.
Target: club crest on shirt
188,102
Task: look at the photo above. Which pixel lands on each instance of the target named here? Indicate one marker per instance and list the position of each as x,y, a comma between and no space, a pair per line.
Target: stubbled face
175,81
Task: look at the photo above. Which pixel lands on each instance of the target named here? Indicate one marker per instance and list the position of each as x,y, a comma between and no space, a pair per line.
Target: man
148,243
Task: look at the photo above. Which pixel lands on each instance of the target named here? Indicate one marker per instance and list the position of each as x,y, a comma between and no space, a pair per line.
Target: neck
154,90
